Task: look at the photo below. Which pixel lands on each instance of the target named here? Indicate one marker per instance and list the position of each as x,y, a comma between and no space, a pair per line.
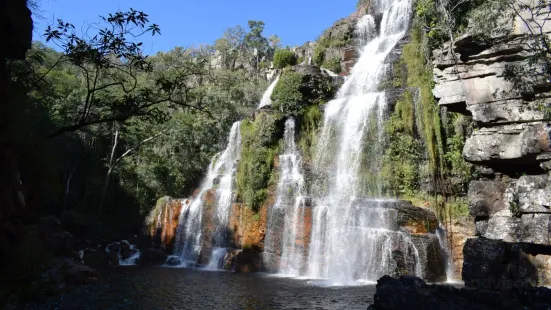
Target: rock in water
173,261
413,293
152,257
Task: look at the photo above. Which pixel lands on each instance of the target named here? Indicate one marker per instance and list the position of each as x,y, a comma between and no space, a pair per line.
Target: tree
284,58
110,63
275,42
255,41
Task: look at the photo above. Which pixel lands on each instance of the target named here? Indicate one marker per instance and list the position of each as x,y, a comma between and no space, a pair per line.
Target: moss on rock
260,144
295,91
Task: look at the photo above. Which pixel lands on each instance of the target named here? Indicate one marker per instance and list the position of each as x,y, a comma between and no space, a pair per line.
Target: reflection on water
169,288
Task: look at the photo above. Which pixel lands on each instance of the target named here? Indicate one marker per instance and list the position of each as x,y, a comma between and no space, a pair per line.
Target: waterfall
329,72
220,179
196,241
267,97
443,241
291,203
350,238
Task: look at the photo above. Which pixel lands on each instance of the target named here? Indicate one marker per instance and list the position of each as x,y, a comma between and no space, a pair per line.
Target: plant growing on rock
514,206
260,144
296,91
287,96
284,58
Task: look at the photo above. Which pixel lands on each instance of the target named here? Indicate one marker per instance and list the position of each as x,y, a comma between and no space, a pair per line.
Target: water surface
174,288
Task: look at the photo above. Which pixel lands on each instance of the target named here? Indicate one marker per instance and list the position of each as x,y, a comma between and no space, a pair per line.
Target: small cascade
217,258
216,191
291,206
365,31
267,97
133,259
329,72
123,253
448,259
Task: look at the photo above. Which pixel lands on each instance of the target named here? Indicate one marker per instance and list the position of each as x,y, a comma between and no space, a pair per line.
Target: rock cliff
510,202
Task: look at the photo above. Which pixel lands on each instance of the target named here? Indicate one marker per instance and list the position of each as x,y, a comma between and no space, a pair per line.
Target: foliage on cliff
260,139
296,91
284,58
423,147
338,36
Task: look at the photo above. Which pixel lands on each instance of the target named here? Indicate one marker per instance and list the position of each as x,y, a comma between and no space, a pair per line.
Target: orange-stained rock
209,197
254,224
163,229
416,227
460,231
235,224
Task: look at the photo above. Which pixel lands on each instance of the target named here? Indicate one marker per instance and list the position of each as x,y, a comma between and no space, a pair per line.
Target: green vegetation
423,148
284,58
287,96
333,64
514,206
260,144
310,123
401,171
330,40
296,91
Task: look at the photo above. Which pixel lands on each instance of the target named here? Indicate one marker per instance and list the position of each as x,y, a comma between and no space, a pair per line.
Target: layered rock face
165,222
511,147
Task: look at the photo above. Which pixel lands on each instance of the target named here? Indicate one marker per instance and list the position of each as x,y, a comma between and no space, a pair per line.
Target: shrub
260,144
287,94
284,58
333,65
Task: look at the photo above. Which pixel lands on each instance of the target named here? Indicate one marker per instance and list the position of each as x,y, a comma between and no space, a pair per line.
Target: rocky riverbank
413,293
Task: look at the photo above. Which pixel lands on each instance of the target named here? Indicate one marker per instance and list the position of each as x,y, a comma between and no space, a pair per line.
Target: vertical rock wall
511,200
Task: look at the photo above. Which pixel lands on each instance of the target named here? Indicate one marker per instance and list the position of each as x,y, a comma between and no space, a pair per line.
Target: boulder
126,249
247,261
152,257
173,261
413,293
113,258
498,265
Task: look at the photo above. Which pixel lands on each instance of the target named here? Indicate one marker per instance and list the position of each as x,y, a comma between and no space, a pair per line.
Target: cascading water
267,97
292,203
349,241
190,240
220,177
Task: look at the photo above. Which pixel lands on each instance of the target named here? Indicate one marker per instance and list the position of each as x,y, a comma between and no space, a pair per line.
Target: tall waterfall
220,178
351,239
292,203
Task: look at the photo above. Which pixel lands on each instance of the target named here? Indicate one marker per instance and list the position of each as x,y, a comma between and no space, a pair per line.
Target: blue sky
193,22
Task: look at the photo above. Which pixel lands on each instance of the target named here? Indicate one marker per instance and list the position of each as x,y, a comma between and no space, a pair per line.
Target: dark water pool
167,288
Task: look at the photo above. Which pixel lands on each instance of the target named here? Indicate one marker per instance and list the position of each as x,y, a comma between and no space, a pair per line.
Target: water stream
349,243
220,179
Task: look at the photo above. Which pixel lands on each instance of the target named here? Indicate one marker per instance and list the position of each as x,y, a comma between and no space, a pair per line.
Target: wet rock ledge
413,293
